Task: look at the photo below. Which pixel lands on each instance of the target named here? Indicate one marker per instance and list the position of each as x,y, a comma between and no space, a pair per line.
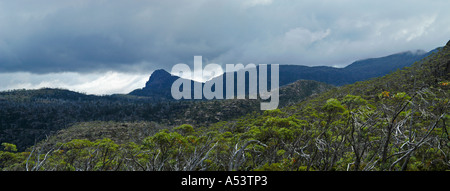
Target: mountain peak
160,73
158,85
158,76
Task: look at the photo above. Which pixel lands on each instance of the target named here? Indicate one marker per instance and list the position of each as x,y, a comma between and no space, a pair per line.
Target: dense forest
396,122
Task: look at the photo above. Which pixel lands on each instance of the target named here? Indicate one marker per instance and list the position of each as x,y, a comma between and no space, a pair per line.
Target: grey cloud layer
139,36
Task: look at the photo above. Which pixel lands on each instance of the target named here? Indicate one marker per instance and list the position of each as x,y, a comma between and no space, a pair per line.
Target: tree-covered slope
395,122
28,116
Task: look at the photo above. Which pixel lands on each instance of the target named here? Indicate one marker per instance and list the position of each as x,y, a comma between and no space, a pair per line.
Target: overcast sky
104,47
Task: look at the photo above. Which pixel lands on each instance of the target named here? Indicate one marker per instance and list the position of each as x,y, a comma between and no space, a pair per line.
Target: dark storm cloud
140,36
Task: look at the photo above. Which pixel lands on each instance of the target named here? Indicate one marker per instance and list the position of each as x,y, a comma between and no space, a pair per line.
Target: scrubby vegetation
396,122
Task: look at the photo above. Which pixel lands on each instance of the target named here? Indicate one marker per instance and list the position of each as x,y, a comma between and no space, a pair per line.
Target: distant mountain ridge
159,84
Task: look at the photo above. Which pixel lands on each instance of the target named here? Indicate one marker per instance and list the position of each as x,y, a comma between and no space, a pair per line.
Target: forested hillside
396,122
28,116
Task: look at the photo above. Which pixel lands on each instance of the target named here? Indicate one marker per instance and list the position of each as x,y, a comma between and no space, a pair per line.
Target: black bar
226,180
